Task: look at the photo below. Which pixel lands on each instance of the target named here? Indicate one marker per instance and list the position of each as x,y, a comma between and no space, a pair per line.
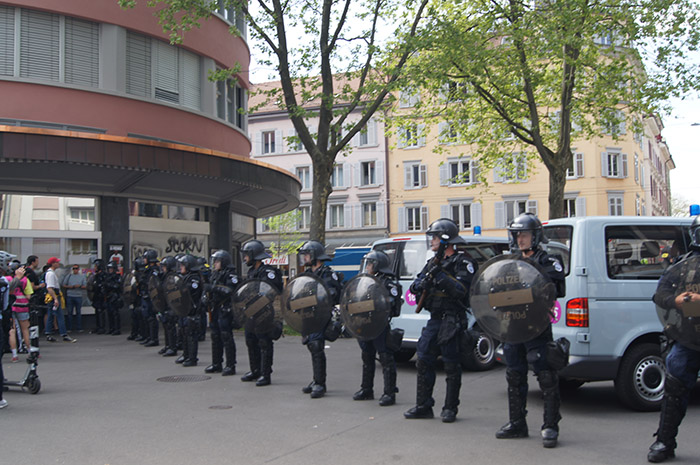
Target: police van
408,255
612,266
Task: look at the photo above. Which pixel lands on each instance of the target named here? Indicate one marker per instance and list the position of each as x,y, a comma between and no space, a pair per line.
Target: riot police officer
224,281
205,272
148,312
168,266
312,254
377,263
113,299
682,362
526,237
190,324
135,298
96,287
445,281
260,346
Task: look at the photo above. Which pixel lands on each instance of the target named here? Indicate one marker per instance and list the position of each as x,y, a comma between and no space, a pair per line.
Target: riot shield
365,306
177,295
129,285
155,292
307,304
683,324
512,299
253,306
90,286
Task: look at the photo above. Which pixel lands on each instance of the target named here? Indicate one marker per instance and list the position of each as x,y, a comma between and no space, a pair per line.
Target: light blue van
613,264
409,254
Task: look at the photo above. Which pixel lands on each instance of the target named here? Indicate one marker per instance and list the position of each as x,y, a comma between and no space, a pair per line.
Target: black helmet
189,262
14,265
526,222
112,266
168,263
99,264
315,249
151,256
695,233
222,256
139,264
255,250
379,260
446,229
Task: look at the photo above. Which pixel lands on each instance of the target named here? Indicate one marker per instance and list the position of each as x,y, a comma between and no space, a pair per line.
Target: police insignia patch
195,285
271,275
394,291
557,266
335,276
470,268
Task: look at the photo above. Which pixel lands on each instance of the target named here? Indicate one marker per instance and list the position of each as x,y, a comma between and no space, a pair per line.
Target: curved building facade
96,102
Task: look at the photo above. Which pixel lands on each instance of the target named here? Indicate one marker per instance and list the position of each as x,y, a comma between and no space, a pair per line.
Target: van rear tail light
577,312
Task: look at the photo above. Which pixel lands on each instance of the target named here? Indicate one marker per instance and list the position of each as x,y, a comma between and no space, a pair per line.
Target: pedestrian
54,307
682,362
192,285
260,346
445,281
526,237
74,283
4,303
376,263
21,290
312,255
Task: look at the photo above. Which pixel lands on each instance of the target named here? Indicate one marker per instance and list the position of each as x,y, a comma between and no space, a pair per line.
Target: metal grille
183,378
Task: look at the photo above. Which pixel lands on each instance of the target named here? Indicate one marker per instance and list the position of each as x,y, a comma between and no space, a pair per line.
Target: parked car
612,266
409,254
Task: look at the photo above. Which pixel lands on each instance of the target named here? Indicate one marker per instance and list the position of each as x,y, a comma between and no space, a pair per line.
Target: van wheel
483,357
404,355
640,378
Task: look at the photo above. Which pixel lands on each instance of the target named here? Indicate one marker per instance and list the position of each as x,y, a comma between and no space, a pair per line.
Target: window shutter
347,213
474,171
442,128
347,167
476,214
622,127
445,212
138,64
404,99
372,132
7,41
257,144
445,174
421,135
39,45
278,141
580,206
328,217
604,165
578,165
381,214
531,206
191,77
82,56
497,175
356,174
408,176
423,176
401,137
402,219
166,63
379,174
500,214
358,215
424,218
288,144
624,165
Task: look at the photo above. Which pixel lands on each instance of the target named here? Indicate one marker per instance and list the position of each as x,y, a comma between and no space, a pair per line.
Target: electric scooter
30,381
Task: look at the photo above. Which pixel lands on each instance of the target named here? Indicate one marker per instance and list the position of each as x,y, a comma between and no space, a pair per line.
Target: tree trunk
557,183
319,203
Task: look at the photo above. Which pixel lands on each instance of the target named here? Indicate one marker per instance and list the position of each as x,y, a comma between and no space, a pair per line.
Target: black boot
230,352
266,355
424,394
517,426
253,358
117,322
318,362
389,372
192,334
366,391
672,412
549,384
217,352
453,370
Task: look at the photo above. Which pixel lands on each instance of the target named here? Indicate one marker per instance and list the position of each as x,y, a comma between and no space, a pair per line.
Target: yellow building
628,176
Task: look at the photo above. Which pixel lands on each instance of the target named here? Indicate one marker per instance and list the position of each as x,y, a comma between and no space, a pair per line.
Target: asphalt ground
101,402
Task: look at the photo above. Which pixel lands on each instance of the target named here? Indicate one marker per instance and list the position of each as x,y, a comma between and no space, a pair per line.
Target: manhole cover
183,378
220,407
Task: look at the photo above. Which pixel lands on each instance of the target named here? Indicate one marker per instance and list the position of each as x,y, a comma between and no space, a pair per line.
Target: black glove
433,271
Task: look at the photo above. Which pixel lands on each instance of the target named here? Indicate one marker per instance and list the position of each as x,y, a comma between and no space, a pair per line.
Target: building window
409,98
409,136
233,16
180,212
304,221
415,175
575,169
369,214
508,210
614,164
569,208
337,216
337,177
368,134
368,173
511,169
614,123
82,215
304,175
462,172
268,142
265,224
615,204
461,214
415,218
231,102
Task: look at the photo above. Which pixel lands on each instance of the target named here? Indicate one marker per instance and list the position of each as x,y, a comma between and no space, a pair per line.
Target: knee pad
515,378
316,346
674,386
452,369
548,379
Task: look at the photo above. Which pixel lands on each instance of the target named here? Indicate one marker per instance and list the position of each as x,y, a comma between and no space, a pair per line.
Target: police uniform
113,302
191,323
99,301
148,312
223,283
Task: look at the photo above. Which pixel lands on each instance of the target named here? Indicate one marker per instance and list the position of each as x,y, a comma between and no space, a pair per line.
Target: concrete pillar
114,225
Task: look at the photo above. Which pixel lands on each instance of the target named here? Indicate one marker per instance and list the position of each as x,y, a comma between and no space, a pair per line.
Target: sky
682,134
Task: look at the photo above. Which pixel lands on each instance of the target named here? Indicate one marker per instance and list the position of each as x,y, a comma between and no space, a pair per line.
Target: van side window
391,249
642,252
